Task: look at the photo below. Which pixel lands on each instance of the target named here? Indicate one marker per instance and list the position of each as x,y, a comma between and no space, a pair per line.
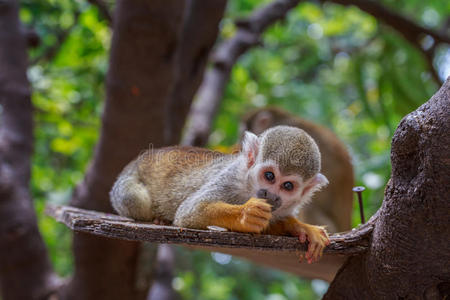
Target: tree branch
410,30
25,269
163,274
200,28
212,88
200,31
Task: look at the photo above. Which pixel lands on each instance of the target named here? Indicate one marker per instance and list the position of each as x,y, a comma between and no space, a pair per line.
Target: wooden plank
114,226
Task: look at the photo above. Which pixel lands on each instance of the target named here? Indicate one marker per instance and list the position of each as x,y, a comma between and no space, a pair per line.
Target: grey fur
129,196
292,149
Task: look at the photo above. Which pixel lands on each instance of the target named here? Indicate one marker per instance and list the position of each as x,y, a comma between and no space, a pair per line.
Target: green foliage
218,276
67,96
340,67
332,64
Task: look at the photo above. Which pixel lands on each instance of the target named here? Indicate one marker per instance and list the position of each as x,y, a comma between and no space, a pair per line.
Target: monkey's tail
129,196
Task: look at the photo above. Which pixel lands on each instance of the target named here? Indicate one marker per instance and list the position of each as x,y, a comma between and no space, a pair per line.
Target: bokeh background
335,65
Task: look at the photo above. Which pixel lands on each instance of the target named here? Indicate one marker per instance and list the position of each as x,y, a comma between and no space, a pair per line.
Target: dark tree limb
163,274
104,10
138,83
409,253
411,31
200,29
212,88
25,269
61,36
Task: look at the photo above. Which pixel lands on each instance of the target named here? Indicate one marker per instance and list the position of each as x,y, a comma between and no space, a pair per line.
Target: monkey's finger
302,237
317,252
257,200
321,251
257,220
311,248
260,204
264,206
259,213
314,253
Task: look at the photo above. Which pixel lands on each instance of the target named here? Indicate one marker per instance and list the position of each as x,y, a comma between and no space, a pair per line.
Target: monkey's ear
263,120
314,184
250,145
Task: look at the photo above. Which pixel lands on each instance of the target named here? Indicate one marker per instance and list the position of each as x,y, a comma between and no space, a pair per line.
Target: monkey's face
283,191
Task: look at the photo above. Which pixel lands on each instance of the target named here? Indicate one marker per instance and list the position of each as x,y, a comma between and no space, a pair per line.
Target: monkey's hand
255,216
316,235
252,216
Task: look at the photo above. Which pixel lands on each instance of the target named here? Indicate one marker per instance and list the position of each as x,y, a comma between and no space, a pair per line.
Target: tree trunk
25,270
200,29
138,84
409,256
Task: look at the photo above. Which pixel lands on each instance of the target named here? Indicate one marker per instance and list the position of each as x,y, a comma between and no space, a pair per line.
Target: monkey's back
172,174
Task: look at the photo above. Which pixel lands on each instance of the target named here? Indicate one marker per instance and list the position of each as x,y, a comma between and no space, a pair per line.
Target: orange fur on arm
253,216
220,214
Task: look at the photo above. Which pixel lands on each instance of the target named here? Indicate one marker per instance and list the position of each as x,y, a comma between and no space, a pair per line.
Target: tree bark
163,274
225,56
199,33
25,270
138,84
409,255
200,29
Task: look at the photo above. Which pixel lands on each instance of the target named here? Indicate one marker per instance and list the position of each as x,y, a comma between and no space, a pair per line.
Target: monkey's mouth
271,198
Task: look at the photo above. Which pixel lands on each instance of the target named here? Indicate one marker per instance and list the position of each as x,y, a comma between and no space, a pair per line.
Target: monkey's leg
316,235
253,216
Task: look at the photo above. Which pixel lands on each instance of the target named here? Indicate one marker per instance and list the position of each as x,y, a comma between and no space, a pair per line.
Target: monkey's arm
252,216
316,235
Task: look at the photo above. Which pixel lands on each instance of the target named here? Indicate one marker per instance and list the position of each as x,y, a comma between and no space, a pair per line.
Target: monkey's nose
262,193
271,198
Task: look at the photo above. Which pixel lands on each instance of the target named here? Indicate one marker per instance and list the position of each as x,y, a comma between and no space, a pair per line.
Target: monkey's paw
255,215
318,239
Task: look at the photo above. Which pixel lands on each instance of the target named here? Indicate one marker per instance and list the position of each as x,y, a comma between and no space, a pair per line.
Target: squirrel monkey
258,190
333,205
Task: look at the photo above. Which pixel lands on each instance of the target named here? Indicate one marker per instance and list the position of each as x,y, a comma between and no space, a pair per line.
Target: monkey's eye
288,186
269,176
